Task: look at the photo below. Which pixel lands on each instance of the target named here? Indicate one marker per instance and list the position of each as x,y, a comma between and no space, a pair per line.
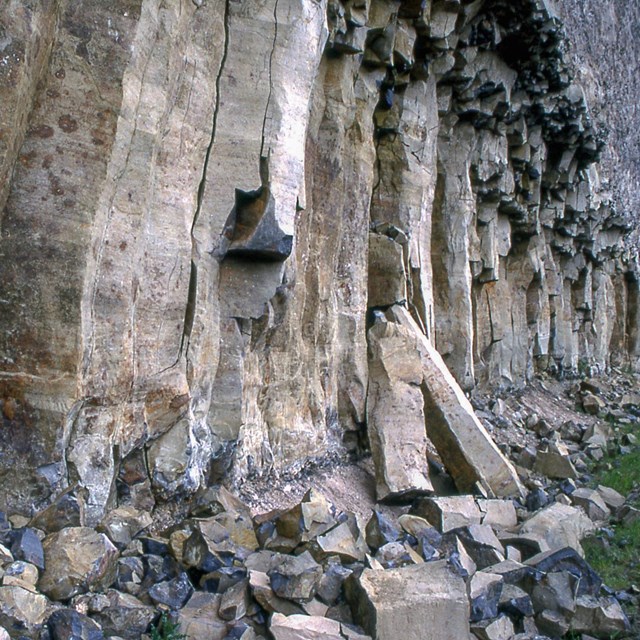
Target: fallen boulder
412,602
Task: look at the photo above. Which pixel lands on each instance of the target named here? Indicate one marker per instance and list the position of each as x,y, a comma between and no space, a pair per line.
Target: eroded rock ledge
204,205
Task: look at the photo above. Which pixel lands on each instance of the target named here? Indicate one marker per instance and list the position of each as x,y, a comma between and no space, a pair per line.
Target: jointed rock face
220,218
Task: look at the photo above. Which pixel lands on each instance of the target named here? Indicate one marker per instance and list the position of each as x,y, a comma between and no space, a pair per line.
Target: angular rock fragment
412,603
556,591
500,514
560,526
234,601
387,280
21,574
297,627
23,612
449,512
498,629
464,445
555,464
296,577
66,511
310,518
338,541
592,503
76,559
26,545
515,602
123,524
172,593
380,531
331,582
199,618
268,600
599,617
485,590
568,560
611,497
395,413
120,614
67,623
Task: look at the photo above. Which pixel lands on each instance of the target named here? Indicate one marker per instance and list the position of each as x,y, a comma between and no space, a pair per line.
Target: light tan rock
500,629
387,277
554,465
448,513
464,445
76,559
395,413
199,617
560,526
499,514
23,611
411,602
21,574
299,627
592,503
611,497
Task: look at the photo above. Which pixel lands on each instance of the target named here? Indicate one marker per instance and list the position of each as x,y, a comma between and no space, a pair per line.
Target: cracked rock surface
207,207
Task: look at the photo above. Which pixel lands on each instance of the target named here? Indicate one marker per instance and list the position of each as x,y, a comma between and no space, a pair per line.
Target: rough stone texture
76,559
411,602
189,192
560,526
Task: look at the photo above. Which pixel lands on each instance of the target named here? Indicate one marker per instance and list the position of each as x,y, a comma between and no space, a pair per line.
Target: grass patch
618,563
624,474
617,559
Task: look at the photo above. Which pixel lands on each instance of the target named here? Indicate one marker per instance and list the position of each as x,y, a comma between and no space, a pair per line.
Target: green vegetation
618,562
166,630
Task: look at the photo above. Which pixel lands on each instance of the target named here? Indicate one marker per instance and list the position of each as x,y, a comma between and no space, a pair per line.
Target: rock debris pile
448,567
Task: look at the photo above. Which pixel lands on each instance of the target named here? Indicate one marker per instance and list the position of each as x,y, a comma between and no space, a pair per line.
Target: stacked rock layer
214,213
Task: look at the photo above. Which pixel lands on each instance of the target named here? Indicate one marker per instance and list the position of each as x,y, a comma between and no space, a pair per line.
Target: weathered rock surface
200,203
411,602
76,559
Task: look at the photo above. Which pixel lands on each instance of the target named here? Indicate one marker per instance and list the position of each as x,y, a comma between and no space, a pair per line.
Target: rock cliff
214,211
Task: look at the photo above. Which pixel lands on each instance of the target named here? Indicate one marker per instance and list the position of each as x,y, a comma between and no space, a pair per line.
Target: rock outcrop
205,205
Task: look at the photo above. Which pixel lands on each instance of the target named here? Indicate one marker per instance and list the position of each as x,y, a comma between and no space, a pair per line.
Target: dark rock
120,614
515,602
129,575
568,559
68,624
536,499
296,577
220,580
66,511
556,591
26,545
380,530
158,569
331,582
484,595
172,593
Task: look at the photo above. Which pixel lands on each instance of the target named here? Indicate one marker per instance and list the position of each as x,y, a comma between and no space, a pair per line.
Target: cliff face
205,203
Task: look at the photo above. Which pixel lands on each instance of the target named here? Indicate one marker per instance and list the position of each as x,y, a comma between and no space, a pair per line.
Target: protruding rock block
414,602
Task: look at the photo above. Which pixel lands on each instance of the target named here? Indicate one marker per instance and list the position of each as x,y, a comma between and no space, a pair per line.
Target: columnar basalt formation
206,205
